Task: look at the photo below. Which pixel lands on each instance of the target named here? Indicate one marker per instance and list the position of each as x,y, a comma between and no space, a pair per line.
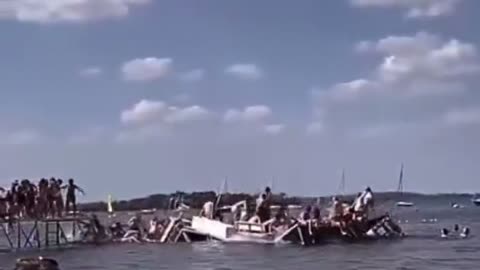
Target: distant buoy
39,263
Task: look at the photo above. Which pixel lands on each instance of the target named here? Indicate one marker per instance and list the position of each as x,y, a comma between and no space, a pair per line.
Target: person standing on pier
71,199
3,203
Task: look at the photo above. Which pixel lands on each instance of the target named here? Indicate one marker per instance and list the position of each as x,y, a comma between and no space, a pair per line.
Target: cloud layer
77,11
146,69
415,8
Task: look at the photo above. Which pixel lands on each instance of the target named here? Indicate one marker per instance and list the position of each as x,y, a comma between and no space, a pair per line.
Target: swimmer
116,230
445,232
465,232
456,228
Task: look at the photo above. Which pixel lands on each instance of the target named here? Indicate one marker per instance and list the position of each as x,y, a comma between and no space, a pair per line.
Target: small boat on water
148,211
305,233
239,232
400,190
294,207
476,200
456,205
405,204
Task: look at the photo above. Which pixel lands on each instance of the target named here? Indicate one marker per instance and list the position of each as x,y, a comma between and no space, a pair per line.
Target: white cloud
253,113
192,75
20,137
150,119
274,129
146,69
144,111
422,64
187,114
76,11
245,71
147,112
91,72
415,8
465,116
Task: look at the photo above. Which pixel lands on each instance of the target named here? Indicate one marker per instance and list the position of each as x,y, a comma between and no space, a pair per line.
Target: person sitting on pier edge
305,214
71,199
3,203
336,210
316,216
207,210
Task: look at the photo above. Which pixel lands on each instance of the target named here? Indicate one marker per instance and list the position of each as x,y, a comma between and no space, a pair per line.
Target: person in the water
116,230
135,229
444,233
465,232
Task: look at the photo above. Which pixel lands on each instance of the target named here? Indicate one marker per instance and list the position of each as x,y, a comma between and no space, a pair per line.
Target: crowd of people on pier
47,198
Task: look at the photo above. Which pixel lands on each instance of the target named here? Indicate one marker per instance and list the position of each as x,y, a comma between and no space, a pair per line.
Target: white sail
109,205
400,189
342,184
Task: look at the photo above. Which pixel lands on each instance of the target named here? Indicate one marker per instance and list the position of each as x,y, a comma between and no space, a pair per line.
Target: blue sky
133,97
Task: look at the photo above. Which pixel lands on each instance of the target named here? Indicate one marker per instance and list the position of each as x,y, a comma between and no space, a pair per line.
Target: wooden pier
19,234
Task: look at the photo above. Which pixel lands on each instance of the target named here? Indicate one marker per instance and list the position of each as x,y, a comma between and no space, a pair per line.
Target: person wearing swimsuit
71,200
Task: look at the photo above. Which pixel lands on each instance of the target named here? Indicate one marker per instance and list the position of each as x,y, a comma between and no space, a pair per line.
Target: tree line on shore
196,199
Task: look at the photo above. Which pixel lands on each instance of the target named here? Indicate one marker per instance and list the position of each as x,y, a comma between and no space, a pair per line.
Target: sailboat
400,190
110,207
342,184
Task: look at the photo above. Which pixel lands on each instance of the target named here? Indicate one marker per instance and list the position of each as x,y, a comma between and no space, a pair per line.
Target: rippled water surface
423,249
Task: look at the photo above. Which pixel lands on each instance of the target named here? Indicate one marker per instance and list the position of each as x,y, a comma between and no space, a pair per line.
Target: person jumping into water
71,198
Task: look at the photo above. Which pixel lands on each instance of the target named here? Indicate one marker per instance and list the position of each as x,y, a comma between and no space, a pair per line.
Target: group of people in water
47,198
464,233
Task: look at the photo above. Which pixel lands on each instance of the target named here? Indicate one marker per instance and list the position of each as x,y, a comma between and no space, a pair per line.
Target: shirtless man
51,191
42,198
3,203
71,199
207,210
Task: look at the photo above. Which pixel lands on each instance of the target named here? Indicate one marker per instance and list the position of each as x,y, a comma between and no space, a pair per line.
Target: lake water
423,249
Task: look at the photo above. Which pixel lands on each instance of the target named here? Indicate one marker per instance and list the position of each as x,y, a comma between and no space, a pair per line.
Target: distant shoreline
196,199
